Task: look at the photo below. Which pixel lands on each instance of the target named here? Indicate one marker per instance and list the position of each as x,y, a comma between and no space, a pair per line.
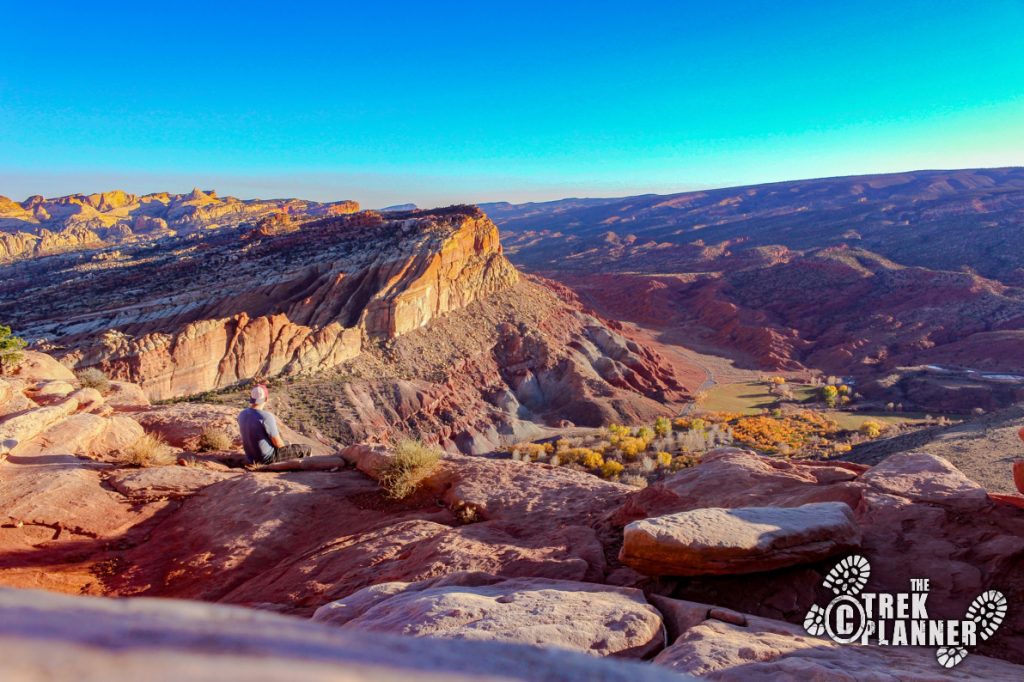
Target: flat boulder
716,541
596,619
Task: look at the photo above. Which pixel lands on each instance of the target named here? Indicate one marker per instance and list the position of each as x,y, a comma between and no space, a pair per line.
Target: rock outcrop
713,645
919,517
715,541
592,619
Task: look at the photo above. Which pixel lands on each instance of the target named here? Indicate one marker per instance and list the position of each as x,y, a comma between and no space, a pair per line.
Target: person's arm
273,433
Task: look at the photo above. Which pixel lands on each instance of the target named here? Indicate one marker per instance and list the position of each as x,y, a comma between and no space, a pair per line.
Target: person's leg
293,451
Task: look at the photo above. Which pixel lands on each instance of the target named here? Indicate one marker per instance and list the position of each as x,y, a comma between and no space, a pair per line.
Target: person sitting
261,437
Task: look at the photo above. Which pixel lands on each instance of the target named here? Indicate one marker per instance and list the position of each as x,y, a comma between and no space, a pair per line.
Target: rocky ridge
39,226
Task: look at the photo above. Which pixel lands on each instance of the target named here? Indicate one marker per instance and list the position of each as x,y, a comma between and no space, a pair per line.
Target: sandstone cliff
377,283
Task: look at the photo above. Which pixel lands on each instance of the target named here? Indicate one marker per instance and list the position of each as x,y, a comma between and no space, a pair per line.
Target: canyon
858,276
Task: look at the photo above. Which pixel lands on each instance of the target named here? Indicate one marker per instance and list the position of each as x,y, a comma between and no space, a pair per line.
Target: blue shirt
257,428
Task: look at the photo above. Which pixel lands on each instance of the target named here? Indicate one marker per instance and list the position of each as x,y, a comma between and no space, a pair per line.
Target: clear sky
436,102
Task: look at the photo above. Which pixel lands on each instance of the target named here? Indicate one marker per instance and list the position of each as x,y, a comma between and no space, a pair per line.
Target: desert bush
663,459
10,349
213,439
647,465
150,450
411,463
662,426
92,377
634,480
631,446
610,469
685,461
830,394
592,460
872,429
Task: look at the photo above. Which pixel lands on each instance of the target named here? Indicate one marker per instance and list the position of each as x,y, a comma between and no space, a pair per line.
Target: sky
443,102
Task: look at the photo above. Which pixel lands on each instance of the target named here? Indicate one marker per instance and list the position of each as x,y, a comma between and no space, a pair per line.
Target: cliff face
271,304
39,226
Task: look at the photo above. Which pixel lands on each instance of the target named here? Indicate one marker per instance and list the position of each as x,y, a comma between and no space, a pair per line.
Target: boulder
26,425
1018,475
925,478
87,639
769,649
51,391
595,619
36,367
127,397
716,541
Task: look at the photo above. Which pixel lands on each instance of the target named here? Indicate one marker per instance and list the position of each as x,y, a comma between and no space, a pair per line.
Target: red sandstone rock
919,518
594,619
715,541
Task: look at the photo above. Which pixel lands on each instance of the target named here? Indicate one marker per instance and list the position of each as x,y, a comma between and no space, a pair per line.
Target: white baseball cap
259,394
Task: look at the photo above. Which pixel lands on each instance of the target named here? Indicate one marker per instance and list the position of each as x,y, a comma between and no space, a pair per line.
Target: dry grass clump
214,439
634,480
92,377
151,450
411,464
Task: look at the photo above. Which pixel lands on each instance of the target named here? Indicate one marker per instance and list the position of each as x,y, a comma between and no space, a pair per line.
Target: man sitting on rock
261,437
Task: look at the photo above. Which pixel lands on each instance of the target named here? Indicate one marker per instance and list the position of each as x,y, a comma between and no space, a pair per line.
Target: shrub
92,377
872,429
830,394
632,446
10,349
662,426
634,480
213,439
611,469
685,461
411,463
592,460
664,459
151,450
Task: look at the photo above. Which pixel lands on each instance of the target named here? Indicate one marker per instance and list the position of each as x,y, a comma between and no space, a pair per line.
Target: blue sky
438,102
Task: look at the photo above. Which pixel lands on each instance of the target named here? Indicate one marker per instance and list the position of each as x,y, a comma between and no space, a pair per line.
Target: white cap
259,394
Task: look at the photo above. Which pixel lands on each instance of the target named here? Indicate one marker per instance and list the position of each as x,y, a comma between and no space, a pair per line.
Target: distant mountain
856,275
40,226
399,207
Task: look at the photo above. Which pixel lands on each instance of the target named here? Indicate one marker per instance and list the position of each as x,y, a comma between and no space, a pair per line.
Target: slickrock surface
69,639
594,619
717,541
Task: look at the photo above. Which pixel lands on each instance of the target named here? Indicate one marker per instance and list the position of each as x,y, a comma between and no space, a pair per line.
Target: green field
749,398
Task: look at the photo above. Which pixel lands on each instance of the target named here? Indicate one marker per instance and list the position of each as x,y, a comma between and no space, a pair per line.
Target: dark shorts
293,451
